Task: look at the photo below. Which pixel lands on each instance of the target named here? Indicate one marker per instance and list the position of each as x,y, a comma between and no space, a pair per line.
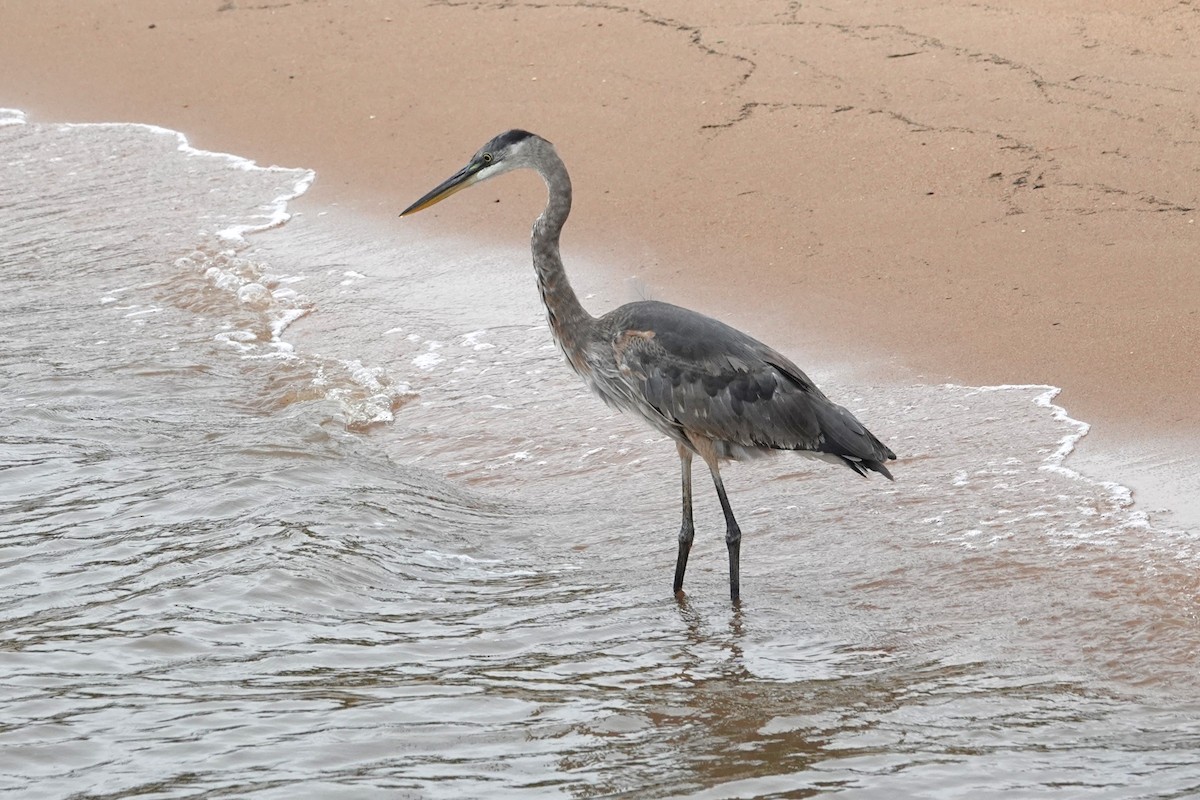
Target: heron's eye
487,158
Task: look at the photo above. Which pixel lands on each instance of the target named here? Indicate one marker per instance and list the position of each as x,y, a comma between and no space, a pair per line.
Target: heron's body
715,391
691,376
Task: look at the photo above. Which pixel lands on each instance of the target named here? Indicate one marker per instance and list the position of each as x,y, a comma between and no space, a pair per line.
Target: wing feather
700,375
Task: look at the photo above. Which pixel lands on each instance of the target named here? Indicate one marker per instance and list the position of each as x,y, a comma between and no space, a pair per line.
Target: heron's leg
707,450
687,531
733,535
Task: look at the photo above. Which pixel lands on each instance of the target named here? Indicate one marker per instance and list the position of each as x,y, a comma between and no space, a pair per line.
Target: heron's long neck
569,321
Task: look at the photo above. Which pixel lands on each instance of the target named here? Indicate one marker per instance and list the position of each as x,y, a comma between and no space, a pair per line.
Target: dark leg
733,536
687,531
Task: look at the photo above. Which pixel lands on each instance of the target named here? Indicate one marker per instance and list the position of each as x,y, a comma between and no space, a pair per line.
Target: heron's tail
848,439
861,467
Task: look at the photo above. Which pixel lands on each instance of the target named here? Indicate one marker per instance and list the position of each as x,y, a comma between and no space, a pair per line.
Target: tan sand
997,193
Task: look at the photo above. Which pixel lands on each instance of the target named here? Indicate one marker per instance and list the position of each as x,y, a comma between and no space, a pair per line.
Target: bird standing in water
716,392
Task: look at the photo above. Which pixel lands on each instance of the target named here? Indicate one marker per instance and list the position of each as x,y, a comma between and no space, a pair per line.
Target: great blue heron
715,391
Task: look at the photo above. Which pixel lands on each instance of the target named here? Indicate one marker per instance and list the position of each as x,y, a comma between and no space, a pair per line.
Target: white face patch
490,171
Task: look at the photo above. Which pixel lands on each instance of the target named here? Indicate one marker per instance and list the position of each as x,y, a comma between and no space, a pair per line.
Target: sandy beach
984,194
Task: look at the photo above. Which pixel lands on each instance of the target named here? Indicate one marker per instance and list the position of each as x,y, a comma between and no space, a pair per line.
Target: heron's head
508,151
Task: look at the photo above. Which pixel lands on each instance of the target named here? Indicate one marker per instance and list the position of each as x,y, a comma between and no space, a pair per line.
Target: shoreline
1162,485
1157,493
935,193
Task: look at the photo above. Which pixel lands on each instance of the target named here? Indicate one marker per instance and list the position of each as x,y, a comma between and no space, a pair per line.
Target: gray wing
704,376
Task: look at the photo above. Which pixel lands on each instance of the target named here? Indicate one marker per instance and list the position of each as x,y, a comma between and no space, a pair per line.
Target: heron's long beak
455,183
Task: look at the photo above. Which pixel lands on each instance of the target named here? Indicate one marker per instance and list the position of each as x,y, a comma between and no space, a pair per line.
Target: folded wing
708,378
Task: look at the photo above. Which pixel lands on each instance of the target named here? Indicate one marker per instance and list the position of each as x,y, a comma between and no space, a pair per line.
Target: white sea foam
272,214
429,359
11,116
1120,495
249,284
472,340
286,318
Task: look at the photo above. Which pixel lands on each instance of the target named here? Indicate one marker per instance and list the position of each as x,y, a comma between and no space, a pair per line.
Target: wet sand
987,194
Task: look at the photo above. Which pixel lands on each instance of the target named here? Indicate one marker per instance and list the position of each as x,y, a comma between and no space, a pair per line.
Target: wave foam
274,213
1121,496
12,116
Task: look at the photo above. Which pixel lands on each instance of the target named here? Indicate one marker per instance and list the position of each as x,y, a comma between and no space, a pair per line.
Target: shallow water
283,515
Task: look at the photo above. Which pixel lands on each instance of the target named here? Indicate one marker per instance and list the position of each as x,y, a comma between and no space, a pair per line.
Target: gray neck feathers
568,319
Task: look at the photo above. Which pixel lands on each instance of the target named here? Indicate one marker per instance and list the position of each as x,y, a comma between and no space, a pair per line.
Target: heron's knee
733,535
